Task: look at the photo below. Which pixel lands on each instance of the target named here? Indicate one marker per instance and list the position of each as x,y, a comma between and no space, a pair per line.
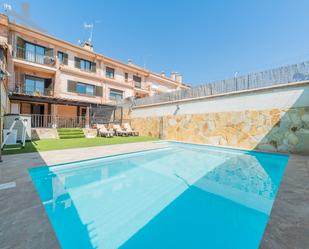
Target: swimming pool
181,196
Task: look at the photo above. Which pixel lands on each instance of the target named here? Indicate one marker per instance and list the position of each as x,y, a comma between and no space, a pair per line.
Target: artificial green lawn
60,144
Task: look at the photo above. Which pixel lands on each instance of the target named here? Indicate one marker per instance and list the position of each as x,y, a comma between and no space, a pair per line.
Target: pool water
181,196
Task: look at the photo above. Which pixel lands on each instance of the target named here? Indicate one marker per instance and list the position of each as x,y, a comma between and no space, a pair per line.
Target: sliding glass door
34,53
34,86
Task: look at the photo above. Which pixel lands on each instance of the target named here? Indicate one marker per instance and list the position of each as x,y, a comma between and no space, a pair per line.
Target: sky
204,40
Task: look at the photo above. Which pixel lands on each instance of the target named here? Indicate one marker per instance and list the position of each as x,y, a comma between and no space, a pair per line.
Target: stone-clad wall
149,126
282,130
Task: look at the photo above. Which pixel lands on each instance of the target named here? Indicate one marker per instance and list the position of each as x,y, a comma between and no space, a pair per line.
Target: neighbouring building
52,78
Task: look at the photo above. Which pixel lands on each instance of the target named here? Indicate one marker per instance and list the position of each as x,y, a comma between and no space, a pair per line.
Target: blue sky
202,39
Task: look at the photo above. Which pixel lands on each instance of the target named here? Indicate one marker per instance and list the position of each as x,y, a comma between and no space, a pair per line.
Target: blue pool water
182,196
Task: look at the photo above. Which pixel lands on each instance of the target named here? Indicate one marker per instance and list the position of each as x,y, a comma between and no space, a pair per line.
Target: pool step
66,133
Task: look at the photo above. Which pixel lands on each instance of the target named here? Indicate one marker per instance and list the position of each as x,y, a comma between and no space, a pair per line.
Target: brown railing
51,121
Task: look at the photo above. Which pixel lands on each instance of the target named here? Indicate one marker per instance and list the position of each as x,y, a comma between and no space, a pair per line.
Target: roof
20,28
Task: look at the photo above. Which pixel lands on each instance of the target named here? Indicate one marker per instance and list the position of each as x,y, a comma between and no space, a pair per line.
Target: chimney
173,76
178,77
163,73
87,45
130,62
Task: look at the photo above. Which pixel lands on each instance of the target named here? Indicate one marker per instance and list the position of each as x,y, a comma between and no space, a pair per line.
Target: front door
83,113
37,115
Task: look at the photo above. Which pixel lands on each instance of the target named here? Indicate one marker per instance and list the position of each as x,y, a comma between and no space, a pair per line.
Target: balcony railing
39,92
28,55
51,121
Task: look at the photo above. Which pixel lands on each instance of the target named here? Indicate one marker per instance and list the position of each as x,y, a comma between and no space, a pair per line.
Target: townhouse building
51,78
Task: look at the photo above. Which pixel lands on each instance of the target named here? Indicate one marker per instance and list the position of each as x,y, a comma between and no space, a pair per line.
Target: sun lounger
103,132
129,129
119,131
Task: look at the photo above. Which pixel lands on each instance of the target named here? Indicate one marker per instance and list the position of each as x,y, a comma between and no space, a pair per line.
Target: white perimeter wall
281,98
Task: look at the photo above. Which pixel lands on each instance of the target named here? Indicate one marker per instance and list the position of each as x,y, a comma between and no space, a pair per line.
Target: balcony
36,92
34,86
39,57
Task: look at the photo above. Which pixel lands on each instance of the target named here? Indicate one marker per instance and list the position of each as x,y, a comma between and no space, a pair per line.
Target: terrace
224,129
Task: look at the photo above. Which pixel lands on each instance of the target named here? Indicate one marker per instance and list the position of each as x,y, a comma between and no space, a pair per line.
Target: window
63,58
34,85
34,53
115,94
85,65
126,76
137,81
85,89
110,72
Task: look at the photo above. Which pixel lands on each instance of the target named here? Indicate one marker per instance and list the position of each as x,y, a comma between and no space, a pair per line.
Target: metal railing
52,121
22,90
22,53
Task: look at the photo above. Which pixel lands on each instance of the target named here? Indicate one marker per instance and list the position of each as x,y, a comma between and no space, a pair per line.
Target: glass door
34,86
30,52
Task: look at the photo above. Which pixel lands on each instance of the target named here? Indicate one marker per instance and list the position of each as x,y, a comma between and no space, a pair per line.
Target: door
37,115
83,113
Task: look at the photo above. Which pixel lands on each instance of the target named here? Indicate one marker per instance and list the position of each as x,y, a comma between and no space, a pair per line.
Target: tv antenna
23,16
89,26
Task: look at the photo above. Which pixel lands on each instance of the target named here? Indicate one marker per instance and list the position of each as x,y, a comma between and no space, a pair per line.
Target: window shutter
93,67
48,86
99,91
20,42
65,59
49,52
20,83
49,55
20,48
77,62
71,86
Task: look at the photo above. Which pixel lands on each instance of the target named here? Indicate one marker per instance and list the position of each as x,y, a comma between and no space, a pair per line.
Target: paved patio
24,223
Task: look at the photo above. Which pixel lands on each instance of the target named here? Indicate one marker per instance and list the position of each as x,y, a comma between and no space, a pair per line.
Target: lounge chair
103,132
129,129
119,131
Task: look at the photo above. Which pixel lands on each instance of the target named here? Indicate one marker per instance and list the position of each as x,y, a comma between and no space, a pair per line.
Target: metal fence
283,75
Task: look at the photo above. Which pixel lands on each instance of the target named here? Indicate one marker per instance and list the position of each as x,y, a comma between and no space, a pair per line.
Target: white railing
52,121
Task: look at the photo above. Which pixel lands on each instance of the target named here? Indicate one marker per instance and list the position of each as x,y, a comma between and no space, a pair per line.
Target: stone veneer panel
43,133
147,126
277,130
90,132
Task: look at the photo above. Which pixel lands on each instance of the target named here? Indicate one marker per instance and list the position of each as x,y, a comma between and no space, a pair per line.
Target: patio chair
103,132
119,131
129,129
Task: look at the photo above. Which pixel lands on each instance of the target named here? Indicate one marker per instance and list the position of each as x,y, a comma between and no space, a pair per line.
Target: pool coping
287,226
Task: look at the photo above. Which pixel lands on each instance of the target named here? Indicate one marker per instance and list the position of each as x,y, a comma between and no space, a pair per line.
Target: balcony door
34,85
34,53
